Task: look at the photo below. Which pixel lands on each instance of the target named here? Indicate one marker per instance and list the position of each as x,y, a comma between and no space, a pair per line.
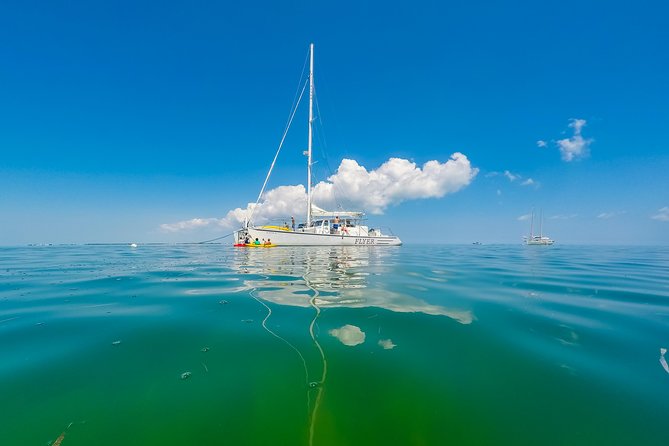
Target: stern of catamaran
239,235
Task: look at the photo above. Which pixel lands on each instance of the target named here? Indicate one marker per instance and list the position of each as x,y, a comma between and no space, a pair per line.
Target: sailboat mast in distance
540,239
541,223
532,224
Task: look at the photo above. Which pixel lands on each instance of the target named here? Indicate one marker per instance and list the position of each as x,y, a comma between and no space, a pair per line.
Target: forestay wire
283,138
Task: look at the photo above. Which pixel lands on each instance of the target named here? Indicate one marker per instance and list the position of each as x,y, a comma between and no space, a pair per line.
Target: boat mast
532,225
311,119
541,223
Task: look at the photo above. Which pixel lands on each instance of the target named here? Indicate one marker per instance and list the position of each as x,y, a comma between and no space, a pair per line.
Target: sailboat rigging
321,227
540,239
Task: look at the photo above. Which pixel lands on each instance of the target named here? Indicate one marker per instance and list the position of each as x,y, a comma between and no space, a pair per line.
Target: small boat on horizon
540,239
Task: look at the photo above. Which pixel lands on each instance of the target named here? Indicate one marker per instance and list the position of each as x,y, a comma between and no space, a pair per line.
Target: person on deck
256,241
268,242
292,221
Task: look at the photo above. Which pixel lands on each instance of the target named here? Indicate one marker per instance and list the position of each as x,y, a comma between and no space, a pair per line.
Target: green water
420,345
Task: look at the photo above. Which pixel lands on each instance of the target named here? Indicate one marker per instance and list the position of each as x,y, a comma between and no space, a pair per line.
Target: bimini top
318,212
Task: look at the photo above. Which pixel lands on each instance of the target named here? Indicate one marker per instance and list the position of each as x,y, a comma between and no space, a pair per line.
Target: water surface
209,344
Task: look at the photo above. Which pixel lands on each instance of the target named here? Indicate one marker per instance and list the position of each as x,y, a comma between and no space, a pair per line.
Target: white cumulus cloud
525,217
575,146
662,214
528,182
395,181
282,201
541,143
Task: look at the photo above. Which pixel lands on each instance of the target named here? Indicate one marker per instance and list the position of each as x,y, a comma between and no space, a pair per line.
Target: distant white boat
321,227
540,239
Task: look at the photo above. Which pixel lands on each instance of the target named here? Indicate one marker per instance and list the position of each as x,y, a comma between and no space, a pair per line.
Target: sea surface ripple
450,344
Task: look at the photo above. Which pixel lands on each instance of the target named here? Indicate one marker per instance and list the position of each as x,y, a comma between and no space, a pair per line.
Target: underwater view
412,345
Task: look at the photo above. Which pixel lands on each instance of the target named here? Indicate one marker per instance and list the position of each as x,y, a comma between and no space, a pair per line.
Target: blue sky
119,117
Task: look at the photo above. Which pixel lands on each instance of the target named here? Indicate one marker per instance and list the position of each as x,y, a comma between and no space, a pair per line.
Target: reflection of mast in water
340,274
329,277
319,385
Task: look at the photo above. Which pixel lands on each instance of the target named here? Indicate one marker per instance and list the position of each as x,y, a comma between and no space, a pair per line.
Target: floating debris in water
186,375
664,361
133,245
223,302
116,343
59,440
348,335
204,349
205,367
314,384
387,344
61,437
248,321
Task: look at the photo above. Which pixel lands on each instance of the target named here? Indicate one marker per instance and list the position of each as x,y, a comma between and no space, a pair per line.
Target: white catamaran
540,239
321,228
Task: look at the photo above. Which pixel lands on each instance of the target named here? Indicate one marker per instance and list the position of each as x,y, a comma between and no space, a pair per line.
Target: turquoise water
414,345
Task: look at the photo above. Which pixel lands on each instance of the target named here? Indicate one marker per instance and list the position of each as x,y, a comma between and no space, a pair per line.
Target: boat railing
385,230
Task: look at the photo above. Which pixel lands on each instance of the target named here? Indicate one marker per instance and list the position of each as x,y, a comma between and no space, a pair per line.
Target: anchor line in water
321,384
214,239
312,412
285,341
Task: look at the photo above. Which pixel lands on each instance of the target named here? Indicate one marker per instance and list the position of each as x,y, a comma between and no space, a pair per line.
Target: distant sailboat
540,239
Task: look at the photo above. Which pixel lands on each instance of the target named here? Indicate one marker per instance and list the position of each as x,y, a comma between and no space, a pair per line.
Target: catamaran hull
290,238
542,242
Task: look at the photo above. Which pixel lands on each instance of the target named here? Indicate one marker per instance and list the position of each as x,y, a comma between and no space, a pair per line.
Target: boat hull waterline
290,238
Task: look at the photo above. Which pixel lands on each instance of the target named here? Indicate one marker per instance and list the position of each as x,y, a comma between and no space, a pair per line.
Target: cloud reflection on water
343,277
348,335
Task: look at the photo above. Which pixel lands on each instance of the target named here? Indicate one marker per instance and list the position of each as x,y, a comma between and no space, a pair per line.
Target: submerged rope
264,325
214,239
312,418
319,384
